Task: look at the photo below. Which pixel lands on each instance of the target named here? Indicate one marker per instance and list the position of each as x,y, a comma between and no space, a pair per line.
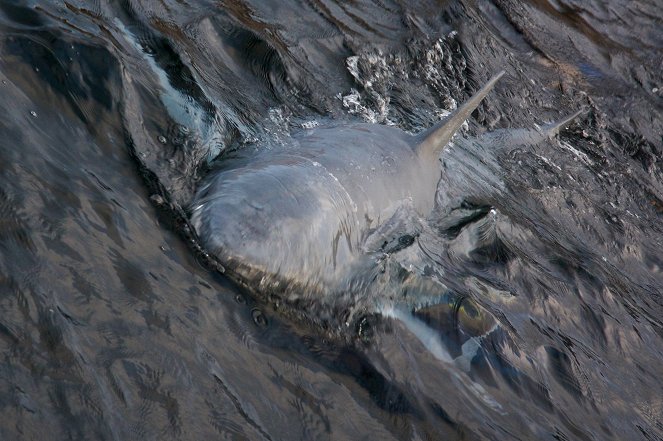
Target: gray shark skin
320,219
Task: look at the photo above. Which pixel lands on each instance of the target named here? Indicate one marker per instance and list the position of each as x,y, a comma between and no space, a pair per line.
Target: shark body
313,220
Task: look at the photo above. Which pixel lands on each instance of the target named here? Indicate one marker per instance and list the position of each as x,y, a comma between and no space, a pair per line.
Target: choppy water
114,325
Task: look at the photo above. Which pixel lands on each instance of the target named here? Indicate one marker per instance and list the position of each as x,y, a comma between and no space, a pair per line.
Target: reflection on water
115,324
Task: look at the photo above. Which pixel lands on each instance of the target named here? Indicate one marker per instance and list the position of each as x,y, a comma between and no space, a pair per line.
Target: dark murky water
114,325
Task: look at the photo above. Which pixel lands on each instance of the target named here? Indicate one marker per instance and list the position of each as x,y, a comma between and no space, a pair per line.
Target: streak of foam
179,106
577,153
548,161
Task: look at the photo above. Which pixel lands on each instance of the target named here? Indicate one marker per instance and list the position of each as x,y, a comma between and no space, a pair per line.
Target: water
115,324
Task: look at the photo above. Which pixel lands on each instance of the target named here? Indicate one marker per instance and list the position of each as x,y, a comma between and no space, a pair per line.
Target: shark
323,218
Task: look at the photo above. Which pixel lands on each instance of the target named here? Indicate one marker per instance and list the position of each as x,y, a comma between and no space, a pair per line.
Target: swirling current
116,323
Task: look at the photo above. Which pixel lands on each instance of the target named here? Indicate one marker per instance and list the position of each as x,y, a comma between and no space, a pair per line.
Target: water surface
114,324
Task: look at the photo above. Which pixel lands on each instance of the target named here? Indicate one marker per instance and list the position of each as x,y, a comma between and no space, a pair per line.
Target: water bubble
204,260
310,124
162,139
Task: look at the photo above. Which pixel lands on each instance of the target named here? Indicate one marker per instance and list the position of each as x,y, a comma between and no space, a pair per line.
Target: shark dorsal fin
433,140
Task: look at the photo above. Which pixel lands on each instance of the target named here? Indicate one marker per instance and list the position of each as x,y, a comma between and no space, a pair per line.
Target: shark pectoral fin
431,142
428,337
431,337
552,129
432,341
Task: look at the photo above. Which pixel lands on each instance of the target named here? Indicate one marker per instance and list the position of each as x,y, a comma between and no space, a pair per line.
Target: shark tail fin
432,141
552,129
